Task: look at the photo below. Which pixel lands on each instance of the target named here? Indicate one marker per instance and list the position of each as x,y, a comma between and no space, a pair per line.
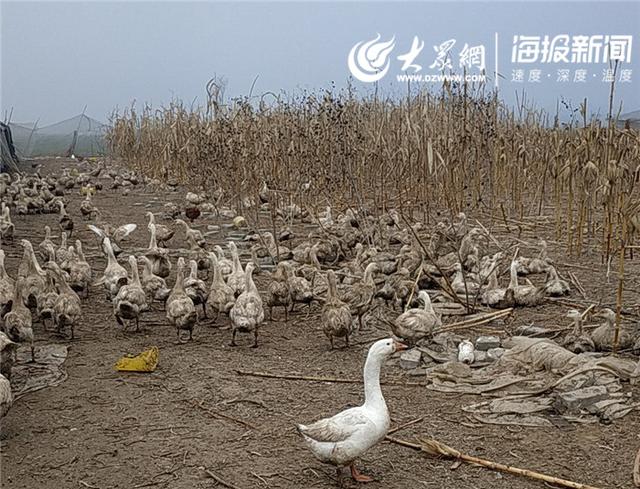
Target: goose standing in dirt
180,309
7,287
192,234
247,313
67,310
42,247
360,295
34,276
224,264
221,297
195,288
6,225
154,286
17,322
301,292
62,253
80,273
6,396
336,316
345,437
160,263
278,291
236,280
47,300
87,209
115,275
163,233
131,300
65,221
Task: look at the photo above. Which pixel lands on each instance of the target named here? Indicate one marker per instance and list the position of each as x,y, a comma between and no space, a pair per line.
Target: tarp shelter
81,135
8,157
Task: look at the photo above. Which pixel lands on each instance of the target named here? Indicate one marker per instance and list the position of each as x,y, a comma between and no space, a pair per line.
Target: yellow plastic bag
147,361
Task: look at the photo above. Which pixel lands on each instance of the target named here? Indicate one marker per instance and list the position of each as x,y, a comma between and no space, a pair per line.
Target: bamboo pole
438,449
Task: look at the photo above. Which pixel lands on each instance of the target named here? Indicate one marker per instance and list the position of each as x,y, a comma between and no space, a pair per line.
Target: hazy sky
58,57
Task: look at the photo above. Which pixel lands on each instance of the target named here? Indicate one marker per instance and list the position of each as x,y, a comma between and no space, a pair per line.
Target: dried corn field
424,154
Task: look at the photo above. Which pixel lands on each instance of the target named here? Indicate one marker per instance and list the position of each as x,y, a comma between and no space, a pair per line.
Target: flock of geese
350,265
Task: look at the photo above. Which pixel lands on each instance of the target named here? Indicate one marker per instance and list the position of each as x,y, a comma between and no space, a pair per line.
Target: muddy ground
104,429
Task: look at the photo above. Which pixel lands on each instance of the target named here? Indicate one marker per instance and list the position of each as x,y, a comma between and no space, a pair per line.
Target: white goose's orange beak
397,346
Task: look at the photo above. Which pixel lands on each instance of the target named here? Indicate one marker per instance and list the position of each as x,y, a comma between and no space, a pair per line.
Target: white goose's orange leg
357,476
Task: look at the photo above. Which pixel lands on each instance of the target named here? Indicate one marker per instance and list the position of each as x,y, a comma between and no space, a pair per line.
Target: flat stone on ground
410,359
581,398
484,343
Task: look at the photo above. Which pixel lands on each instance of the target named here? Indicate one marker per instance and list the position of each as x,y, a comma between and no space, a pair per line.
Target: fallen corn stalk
437,449
476,321
636,470
312,378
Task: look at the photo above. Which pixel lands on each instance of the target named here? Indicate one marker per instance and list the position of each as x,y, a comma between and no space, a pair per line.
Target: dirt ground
104,429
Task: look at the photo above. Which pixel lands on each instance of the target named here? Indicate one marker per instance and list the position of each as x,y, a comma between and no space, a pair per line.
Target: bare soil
104,429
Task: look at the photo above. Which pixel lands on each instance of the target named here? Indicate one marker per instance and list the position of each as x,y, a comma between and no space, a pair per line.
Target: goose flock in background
352,266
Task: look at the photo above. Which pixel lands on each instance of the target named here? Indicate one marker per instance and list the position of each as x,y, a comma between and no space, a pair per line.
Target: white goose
341,439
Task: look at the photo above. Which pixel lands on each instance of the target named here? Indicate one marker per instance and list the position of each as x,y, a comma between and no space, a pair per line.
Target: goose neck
111,258
332,286
372,392
513,282
134,274
249,285
152,243
179,286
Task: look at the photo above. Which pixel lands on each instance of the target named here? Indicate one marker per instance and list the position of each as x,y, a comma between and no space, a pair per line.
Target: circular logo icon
369,60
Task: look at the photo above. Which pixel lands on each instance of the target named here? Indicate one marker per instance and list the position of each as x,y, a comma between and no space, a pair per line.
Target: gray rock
581,398
494,353
480,356
410,359
417,372
485,343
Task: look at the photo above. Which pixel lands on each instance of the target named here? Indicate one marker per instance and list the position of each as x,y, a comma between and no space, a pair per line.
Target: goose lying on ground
417,323
343,438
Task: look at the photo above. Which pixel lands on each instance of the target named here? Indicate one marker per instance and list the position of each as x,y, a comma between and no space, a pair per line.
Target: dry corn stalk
479,320
438,449
460,150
